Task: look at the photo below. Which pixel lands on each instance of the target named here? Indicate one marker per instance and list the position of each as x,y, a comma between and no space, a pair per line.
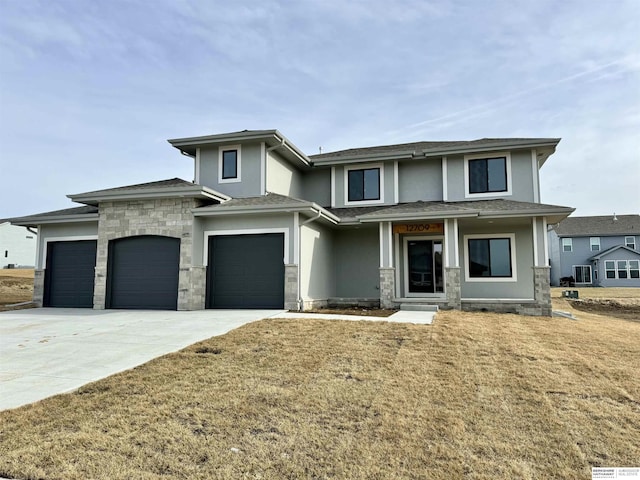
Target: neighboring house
600,251
454,224
17,246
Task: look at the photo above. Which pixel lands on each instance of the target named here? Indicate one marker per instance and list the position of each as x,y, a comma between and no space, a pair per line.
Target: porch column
387,270
452,269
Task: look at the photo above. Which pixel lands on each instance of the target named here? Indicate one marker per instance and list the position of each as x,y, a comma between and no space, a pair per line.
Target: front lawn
472,396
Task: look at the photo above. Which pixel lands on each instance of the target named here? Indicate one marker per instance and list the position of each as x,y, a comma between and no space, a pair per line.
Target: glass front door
424,266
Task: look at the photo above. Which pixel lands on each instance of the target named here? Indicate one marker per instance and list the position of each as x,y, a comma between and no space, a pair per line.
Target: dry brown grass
16,285
472,396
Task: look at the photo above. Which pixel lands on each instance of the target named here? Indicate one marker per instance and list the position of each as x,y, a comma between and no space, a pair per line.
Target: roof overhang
311,208
187,191
545,147
35,220
272,138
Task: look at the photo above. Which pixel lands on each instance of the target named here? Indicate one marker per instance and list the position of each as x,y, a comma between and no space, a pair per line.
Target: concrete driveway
47,351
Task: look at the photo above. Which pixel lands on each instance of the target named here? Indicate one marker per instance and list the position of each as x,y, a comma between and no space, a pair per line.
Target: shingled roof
599,226
434,148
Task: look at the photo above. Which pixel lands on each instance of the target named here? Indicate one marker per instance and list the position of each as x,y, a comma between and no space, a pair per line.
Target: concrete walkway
47,351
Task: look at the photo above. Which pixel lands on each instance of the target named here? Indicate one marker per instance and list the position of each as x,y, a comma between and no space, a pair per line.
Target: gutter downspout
306,222
35,232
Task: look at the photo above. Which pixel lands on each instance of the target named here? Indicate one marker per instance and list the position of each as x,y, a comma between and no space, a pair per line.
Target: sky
91,90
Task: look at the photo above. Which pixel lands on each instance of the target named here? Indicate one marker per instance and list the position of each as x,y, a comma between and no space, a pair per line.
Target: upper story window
594,242
567,244
487,175
630,242
229,164
490,257
364,184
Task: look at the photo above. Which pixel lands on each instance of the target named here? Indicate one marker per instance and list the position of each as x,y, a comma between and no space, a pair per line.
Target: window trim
607,270
633,269
569,243
482,156
594,242
226,148
364,166
512,245
627,243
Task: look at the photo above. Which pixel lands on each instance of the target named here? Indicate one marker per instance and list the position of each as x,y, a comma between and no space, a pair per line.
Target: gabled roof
76,214
173,187
609,251
498,208
272,138
599,226
269,203
429,149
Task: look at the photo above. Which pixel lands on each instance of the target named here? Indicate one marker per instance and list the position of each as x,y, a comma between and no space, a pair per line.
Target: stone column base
38,287
387,287
291,287
542,290
453,287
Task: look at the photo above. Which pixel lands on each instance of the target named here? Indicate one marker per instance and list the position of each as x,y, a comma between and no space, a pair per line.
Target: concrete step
418,307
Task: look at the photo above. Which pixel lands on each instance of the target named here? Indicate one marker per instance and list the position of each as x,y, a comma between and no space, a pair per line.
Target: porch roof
609,251
498,208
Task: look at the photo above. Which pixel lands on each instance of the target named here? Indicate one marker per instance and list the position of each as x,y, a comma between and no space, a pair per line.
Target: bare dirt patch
623,303
475,395
16,286
361,311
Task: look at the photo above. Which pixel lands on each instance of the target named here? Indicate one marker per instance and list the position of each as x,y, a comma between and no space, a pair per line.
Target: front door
424,267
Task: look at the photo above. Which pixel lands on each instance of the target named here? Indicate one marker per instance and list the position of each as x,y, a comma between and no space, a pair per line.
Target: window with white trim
630,242
364,184
490,257
229,164
622,269
487,175
594,243
567,244
610,269
634,268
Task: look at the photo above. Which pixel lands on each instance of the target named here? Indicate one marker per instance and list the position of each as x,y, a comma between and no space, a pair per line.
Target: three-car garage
244,271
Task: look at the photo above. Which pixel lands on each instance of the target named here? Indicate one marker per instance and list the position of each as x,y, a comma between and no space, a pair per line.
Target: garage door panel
143,273
246,271
70,274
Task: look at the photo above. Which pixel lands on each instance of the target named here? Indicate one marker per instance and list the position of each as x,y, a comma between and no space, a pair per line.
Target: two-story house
454,224
601,251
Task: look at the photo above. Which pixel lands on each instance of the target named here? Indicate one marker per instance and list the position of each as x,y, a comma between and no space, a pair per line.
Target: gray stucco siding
317,186
63,232
420,181
356,262
523,287
316,263
250,171
282,177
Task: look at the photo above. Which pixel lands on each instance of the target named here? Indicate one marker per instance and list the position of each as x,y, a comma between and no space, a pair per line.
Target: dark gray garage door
246,271
69,275
142,272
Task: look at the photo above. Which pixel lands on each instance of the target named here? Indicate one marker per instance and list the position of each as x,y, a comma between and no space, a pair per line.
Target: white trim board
249,231
61,239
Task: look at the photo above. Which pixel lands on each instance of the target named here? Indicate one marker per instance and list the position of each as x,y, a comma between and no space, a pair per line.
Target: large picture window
364,184
487,175
490,257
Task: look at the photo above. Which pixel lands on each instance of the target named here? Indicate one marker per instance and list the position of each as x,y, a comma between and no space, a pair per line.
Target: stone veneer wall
452,287
38,287
291,287
387,287
170,217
